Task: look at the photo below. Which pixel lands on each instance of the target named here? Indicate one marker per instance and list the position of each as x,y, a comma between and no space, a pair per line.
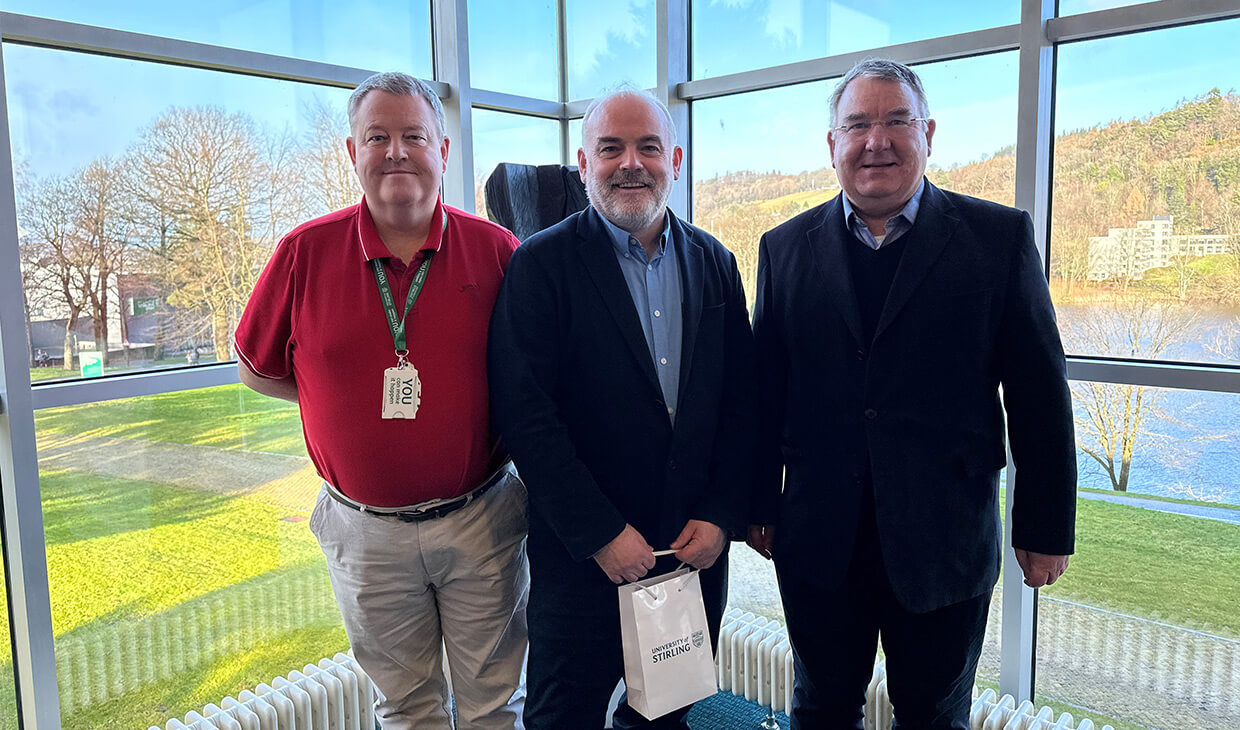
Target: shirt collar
373,246
908,212
620,237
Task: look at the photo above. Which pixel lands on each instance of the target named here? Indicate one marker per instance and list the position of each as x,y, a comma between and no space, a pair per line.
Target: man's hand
627,557
761,538
1040,569
699,544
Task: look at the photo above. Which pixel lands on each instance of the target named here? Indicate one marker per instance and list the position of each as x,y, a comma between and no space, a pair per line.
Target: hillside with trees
1183,163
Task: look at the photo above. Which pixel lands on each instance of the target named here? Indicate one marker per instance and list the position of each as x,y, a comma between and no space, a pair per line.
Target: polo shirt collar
373,246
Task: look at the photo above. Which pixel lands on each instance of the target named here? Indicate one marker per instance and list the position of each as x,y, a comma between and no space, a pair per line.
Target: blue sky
66,109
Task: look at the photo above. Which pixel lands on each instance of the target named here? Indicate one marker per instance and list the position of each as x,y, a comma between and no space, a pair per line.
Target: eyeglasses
893,126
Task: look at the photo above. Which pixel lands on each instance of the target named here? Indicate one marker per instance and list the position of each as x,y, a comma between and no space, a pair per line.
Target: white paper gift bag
668,663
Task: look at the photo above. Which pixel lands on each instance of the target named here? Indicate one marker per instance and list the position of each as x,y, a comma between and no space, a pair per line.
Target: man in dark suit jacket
886,321
621,367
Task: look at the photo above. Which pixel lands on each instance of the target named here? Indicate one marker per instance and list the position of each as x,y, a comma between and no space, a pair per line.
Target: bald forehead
628,108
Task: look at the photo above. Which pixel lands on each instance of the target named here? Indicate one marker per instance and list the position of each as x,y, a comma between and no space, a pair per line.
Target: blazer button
871,414
672,465
860,354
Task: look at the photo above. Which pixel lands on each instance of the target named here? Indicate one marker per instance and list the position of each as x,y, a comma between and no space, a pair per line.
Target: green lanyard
397,325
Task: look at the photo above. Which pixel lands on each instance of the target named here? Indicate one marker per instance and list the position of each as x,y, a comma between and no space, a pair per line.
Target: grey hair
627,89
400,84
884,70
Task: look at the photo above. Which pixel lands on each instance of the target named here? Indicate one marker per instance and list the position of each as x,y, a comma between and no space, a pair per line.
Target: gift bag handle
649,590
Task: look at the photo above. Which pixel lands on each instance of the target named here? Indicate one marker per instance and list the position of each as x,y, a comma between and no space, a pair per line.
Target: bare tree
1114,419
211,175
76,238
327,172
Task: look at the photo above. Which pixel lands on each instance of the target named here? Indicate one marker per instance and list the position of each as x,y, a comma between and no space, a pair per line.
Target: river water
1189,445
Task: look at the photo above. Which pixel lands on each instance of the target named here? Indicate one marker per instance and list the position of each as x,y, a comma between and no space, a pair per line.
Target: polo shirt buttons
871,414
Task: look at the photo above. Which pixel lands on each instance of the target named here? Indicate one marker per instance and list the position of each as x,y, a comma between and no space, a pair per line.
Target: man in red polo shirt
374,320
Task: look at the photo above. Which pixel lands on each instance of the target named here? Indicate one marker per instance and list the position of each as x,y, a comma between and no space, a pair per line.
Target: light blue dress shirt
654,284
897,225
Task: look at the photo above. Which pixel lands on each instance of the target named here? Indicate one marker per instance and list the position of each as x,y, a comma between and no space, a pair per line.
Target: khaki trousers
407,590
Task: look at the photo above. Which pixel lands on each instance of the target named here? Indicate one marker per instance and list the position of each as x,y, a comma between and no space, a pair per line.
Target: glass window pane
149,198
513,47
1072,7
760,158
502,137
741,35
180,561
574,140
1142,631
1145,231
378,34
609,43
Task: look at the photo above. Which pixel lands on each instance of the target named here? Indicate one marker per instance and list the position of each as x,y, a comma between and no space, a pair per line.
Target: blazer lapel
600,261
690,259
827,242
935,224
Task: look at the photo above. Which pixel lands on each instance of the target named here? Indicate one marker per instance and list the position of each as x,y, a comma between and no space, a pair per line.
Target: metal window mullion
78,392
672,59
562,31
30,615
1134,18
516,104
1182,376
450,20
1036,68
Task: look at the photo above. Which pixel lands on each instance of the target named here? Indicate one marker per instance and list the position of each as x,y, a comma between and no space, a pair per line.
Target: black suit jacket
576,399
919,406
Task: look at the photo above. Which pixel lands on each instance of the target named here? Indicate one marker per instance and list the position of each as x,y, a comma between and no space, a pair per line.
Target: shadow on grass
227,416
199,651
81,506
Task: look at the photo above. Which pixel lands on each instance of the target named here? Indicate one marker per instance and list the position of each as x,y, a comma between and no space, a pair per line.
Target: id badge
402,392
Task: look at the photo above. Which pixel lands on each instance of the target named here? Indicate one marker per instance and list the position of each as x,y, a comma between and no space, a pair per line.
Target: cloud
784,23
591,34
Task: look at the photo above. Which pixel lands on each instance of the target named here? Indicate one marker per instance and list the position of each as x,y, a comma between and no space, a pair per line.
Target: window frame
1036,37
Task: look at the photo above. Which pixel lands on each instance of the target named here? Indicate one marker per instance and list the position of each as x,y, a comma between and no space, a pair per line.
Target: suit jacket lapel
934,225
600,261
689,253
827,242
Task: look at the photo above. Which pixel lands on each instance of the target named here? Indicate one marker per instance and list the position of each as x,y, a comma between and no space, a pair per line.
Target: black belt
417,514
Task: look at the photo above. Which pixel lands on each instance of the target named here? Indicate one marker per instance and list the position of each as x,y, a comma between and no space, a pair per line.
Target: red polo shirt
315,313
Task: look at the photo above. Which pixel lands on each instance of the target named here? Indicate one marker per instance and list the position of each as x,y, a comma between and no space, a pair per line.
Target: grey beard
629,220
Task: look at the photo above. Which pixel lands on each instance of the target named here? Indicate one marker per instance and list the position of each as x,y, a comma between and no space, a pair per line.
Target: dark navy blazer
917,410
575,396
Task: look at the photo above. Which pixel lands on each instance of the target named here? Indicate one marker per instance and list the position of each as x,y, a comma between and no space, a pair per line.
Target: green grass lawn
237,586
224,417
1181,570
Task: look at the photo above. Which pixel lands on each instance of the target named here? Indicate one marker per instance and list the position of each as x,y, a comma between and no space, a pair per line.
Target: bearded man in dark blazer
621,368
895,326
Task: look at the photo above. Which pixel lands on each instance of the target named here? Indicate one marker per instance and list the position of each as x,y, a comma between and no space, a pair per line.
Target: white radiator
754,661
335,694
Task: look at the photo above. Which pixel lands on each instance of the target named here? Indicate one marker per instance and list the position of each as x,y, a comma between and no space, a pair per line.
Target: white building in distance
1130,252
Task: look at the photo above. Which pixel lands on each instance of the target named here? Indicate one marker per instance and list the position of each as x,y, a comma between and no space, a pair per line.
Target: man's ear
348,144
